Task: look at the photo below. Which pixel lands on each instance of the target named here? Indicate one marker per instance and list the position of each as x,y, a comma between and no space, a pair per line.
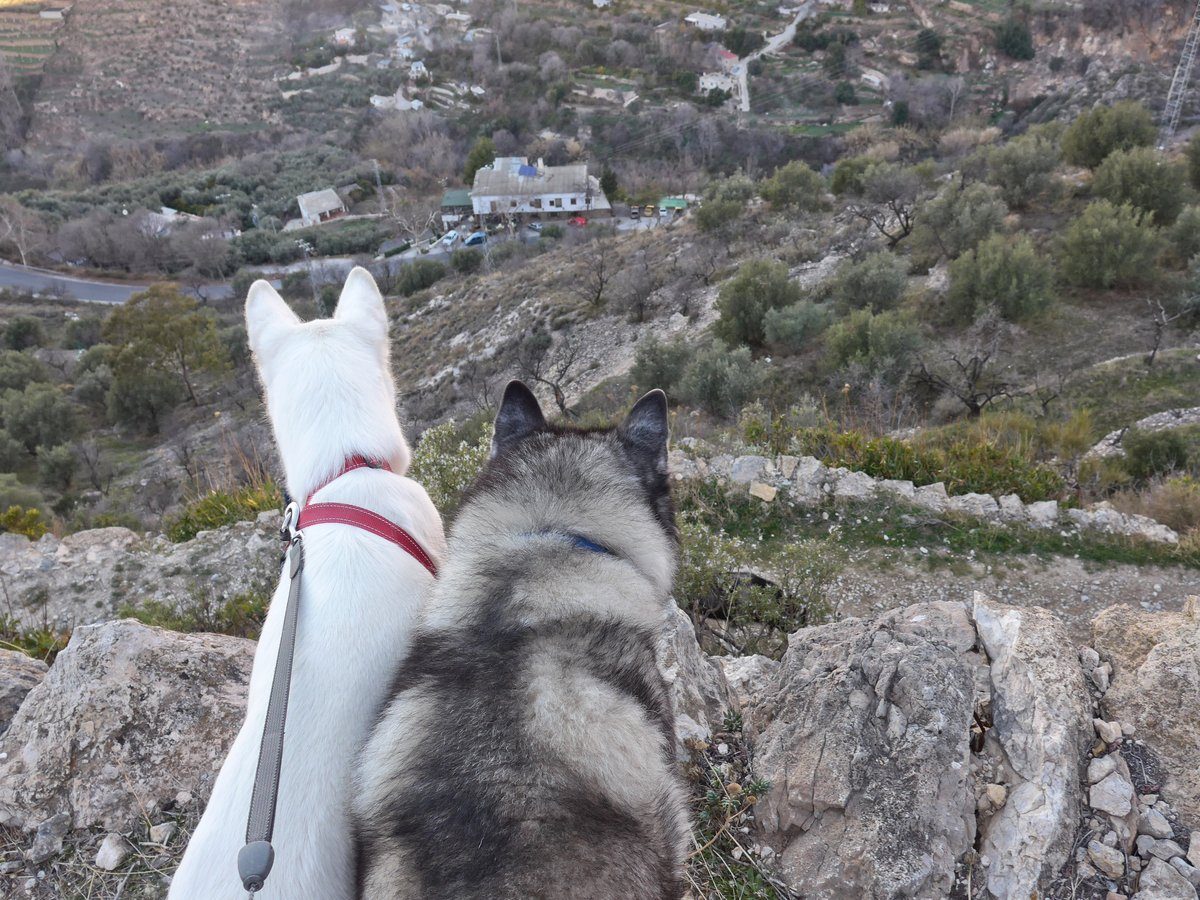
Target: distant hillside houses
320,206
513,187
706,21
715,81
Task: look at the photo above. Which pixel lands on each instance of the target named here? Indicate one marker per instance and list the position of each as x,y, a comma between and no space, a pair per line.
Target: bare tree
415,217
23,228
99,471
970,372
889,199
1160,319
556,364
598,267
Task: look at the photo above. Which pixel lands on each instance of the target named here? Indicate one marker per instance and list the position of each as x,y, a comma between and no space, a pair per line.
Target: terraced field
26,39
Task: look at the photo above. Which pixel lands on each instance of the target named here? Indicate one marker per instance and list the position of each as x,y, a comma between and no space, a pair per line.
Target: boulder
696,683
931,497
748,678
863,736
854,486
126,718
746,469
1156,680
19,674
1160,881
1043,513
1041,718
980,506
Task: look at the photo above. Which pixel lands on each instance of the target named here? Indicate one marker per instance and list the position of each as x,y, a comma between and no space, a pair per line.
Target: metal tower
1179,84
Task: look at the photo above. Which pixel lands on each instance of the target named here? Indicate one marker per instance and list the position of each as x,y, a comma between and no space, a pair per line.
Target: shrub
716,214
875,282
929,49
1007,275
137,396
241,616
1014,40
1175,502
224,507
1184,236
759,286
418,275
884,344
659,364
1142,179
40,414
483,152
775,432
720,380
845,94
790,328
956,220
41,642
1109,246
1023,168
848,175
795,186
447,459
56,467
1152,453
1105,129
82,333
1192,159
19,370
23,520
12,453
552,231
24,332
466,261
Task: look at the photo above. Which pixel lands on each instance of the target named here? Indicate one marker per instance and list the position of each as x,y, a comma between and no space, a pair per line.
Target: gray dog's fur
528,748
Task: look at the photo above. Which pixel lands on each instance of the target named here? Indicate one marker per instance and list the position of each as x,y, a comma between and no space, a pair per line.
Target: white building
417,70
512,186
600,4
706,21
320,206
345,37
716,81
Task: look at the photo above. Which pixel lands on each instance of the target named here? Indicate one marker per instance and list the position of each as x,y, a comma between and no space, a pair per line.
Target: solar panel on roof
527,171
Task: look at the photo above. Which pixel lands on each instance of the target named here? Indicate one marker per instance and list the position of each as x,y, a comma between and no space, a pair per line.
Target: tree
1110,246
759,286
888,199
169,334
845,94
1192,157
713,215
608,182
794,185
883,345
1105,129
1141,178
24,332
848,175
720,380
1001,274
791,328
21,228
38,416
929,49
957,219
875,282
1014,40
483,152
598,266
1023,168
139,396
556,364
56,467
17,370
659,365
969,371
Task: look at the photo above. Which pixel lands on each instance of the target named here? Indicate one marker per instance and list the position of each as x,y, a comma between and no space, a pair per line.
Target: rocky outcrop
87,576
1156,689
864,738
808,480
19,674
1110,444
127,718
696,683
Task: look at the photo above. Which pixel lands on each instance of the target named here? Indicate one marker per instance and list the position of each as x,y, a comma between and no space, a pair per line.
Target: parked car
634,212
577,221
649,210
449,237
535,226
474,239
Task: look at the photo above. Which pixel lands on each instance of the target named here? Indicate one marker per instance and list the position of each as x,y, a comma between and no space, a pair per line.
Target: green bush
19,370
884,345
241,616
659,364
956,220
1002,274
26,520
1192,158
418,275
848,175
552,231
1014,40
1105,129
791,328
1110,246
875,282
744,300
1184,236
1023,169
224,507
82,333
720,380
56,467
24,332
795,185
466,261
714,215
12,452
1152,453
447,459
41,642
40,414
1141,178
137,396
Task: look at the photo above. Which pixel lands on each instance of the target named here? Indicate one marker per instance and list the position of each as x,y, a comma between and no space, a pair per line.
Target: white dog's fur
330,395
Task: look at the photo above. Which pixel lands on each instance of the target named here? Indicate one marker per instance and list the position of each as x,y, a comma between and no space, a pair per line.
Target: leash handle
256,858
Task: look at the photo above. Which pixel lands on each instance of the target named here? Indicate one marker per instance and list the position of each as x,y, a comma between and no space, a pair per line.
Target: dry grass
1174,501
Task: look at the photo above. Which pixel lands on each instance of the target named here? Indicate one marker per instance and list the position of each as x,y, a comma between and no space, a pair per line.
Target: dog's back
528,748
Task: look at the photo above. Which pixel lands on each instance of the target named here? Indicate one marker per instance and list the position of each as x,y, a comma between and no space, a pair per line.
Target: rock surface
1156,680
864,740
126,718
1160,881
19,674
696,683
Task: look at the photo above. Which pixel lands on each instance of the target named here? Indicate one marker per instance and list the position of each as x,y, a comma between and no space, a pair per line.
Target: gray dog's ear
520,415
646,429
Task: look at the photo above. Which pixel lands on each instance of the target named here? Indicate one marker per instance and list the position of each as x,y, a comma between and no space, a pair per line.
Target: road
44,281
742,69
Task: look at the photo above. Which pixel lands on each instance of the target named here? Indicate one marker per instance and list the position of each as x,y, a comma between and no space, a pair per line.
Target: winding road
742,69
45,281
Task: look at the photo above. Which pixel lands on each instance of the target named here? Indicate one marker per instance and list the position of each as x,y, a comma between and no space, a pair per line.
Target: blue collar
578,541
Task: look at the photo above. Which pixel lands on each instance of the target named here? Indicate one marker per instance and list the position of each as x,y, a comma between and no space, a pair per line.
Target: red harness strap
346,514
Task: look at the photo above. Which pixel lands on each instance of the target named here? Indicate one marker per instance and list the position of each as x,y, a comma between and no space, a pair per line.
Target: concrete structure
511,186
417,70
706,21
456,205
320,206
716,81
345,37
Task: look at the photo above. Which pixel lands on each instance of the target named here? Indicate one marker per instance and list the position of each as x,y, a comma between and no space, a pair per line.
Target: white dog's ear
267,315
362,303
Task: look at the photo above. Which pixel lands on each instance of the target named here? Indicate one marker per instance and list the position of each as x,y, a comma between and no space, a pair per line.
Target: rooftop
514,176
456,197
317,203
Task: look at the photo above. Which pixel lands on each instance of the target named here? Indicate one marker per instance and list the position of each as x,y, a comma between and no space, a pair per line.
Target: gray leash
256,858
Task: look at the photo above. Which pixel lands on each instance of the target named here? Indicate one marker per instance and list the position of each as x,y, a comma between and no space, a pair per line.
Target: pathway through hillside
741,70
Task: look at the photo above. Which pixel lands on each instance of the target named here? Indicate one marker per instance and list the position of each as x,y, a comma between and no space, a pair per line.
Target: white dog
330,397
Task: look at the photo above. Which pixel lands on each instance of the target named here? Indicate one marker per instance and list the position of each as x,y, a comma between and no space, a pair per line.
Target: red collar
345,514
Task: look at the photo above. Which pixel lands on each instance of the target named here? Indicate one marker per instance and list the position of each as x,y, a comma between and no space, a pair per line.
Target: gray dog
527,748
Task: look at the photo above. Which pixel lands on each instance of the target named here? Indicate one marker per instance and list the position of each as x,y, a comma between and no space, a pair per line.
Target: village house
511,186
706,21
716,81
320,206
456,206
417,70
345,37
600,4
727,59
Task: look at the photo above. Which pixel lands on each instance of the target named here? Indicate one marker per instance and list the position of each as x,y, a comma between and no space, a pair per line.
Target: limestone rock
746,469
981,506
1012,509
1043,513
19,674
1155,824
112,852
855,486
864,738
1159,881
696,683
1040,713
896,488
1113,795
1109,732
1156,680
1108,860
127,716
763,491
48,838
1193,854
747,678
931,497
